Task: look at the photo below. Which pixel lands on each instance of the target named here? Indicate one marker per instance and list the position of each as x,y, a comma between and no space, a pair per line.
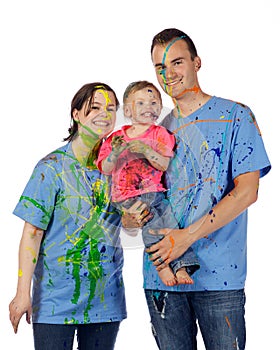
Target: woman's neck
85,153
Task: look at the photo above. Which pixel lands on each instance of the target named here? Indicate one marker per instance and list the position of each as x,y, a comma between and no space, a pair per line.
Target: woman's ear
75,115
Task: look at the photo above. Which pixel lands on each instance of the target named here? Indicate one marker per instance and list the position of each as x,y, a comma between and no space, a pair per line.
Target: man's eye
177,63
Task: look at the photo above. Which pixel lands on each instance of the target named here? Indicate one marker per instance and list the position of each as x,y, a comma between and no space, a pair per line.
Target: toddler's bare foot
183,277
167,276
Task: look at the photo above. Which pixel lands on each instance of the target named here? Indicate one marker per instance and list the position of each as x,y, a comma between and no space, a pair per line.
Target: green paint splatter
87,243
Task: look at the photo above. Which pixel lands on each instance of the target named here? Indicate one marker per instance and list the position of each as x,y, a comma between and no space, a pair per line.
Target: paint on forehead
168,47
105,93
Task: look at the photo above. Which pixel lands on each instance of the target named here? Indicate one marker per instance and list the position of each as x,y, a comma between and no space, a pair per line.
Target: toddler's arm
109,163
156,159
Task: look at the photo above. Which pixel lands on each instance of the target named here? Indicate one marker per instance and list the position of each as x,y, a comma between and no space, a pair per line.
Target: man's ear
197,63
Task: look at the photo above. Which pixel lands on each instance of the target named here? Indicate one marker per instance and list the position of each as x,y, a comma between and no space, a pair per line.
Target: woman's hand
173,245
18,307
136,216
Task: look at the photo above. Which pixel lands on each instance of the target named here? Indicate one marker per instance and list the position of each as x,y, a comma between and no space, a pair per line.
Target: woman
70,242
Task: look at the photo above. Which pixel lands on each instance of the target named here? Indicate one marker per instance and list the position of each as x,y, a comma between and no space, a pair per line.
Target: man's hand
173,245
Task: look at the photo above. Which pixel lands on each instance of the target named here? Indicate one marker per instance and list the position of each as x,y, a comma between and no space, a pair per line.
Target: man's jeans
220,315
101,336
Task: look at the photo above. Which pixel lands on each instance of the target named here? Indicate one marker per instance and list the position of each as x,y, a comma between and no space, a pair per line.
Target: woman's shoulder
55,157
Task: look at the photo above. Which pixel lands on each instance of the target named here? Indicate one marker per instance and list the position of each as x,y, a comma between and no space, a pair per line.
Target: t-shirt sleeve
37,202
104,152
248,152
165,142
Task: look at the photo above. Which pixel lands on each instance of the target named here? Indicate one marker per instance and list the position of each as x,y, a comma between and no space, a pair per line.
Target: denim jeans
92,336
163,217
220,316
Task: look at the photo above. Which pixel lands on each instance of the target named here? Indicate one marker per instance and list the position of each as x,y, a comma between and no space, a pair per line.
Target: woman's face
97,118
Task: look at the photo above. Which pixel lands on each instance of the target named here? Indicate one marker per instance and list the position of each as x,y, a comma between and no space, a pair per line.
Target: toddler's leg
167,276
183,277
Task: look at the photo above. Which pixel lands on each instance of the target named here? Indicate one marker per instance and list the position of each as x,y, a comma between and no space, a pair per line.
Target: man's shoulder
230,104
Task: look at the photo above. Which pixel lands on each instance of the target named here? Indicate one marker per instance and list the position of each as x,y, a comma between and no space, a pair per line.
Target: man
212,180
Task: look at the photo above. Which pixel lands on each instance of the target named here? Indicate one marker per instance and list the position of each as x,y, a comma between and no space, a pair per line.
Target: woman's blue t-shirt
78,275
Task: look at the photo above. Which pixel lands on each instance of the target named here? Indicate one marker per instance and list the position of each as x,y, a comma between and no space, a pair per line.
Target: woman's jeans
92,336
220,316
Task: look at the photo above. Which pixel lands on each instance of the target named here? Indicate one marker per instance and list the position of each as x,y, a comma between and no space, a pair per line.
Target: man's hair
168,35
137,86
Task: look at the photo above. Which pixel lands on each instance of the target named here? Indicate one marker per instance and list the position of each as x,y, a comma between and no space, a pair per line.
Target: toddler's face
144,106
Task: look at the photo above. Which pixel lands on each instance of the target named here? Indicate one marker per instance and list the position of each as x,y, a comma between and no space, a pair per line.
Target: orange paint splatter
228,323
172,241
194,89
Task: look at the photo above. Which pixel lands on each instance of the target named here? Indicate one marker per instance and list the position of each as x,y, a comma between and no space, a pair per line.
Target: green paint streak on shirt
35,203
87,242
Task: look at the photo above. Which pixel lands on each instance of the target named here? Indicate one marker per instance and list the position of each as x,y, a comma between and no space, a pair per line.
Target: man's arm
176,242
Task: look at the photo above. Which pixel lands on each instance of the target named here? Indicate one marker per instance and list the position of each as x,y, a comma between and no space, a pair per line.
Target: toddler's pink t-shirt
133,175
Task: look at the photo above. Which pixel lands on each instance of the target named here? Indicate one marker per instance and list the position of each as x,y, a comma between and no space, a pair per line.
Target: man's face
176,71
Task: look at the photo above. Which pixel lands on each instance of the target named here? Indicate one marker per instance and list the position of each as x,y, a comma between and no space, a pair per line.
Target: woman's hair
168,35
139,85
85,95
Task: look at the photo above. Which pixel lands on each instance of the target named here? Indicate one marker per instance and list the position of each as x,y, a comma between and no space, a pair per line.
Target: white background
49,49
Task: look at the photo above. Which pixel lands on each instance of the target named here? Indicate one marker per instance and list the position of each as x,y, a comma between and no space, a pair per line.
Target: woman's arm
28,254
176,242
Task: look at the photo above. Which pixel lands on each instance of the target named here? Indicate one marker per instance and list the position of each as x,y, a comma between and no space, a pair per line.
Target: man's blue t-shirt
215,144
78,276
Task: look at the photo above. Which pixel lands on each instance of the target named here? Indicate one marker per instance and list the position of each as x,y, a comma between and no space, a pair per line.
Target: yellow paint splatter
20,273
32,251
